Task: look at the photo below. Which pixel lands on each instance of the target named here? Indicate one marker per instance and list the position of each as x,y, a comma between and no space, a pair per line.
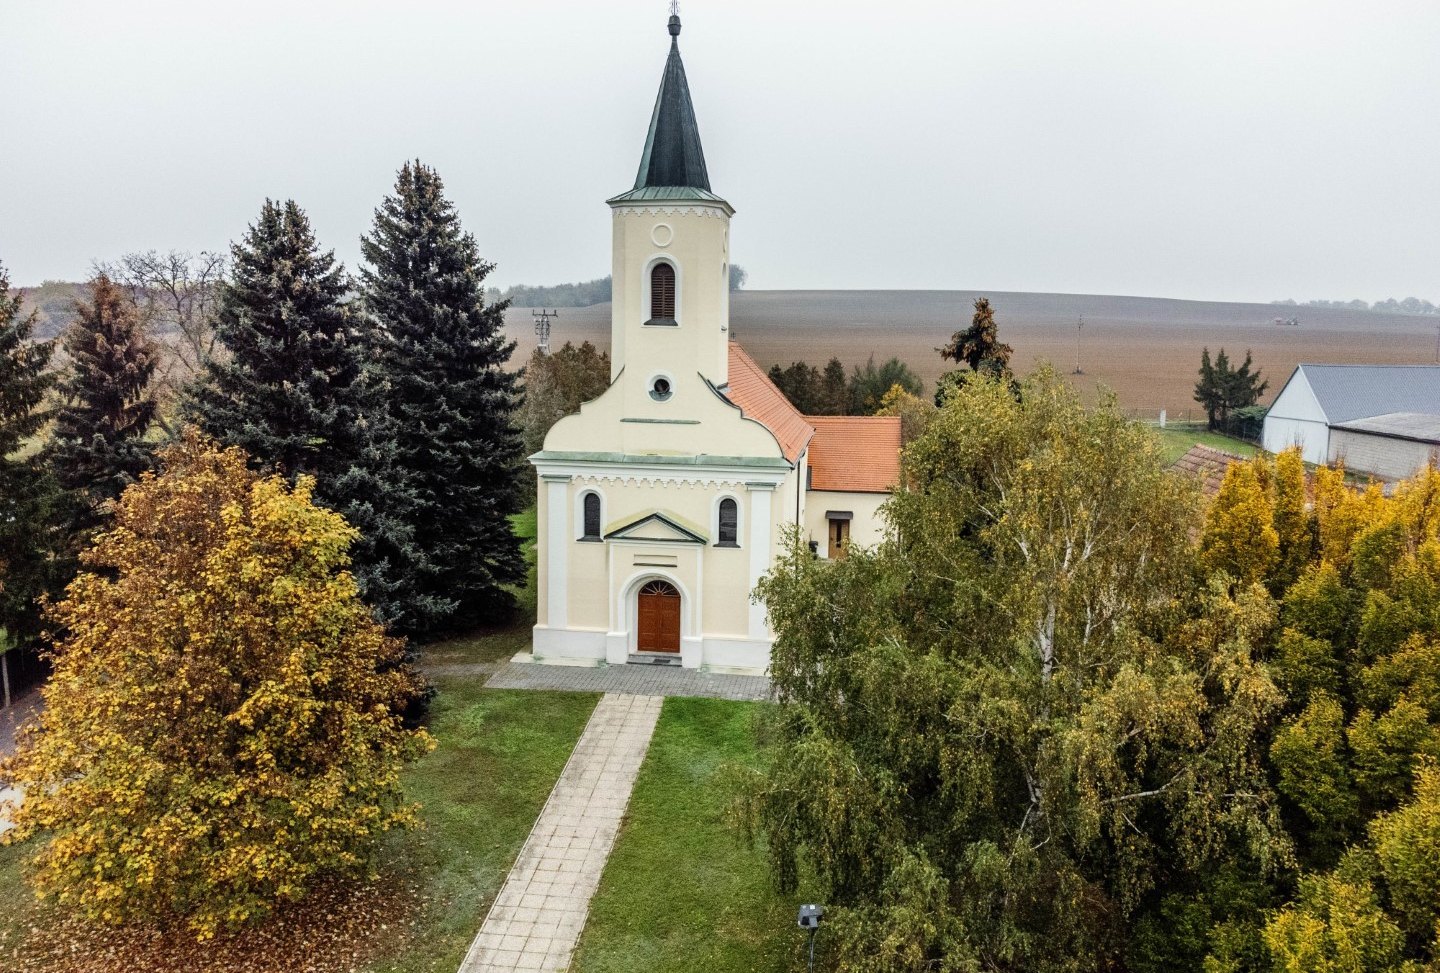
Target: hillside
1146,349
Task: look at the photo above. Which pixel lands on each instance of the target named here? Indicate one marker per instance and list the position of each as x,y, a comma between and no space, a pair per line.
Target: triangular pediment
656,527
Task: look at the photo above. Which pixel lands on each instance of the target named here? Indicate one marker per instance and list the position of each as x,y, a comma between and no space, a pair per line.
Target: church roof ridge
759,399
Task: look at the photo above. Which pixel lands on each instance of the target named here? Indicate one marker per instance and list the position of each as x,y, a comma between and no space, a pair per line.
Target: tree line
1410,305
582,294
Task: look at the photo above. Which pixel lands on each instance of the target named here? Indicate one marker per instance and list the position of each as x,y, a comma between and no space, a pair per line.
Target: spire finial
674,18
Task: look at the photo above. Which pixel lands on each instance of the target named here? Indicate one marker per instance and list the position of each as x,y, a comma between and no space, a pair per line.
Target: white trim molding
762,498
578,533
557,548
739,519
663,258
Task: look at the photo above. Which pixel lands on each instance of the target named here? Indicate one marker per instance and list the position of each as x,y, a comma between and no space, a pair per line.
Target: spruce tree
289,391
107,405
28,494
442,351
294,392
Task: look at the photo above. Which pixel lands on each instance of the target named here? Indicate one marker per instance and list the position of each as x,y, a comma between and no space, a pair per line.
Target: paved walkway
639,680
23,709
538,915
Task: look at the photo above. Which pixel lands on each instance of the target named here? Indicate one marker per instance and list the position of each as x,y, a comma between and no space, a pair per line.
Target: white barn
1318,399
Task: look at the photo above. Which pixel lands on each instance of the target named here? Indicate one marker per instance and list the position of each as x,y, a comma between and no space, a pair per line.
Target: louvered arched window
662,293
729,533
592,517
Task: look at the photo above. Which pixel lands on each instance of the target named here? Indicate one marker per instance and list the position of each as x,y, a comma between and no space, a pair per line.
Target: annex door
839,536
659,621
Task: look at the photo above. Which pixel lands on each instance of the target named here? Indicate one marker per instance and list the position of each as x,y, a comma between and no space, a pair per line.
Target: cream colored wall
695,239
867,527
720,575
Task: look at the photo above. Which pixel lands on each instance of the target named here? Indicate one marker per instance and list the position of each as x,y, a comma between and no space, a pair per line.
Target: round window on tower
660,388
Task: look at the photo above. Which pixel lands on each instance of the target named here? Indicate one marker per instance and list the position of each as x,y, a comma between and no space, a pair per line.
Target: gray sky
1223,150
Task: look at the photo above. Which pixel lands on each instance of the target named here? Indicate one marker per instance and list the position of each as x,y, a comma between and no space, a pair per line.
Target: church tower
671,267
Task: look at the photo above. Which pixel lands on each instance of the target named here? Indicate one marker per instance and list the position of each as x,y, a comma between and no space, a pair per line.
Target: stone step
653,660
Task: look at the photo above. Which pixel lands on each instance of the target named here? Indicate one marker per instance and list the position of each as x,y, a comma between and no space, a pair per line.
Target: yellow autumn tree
1293,525
915,413
220,731
1239,537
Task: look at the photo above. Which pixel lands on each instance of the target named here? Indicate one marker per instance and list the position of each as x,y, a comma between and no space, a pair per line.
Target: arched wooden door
659,618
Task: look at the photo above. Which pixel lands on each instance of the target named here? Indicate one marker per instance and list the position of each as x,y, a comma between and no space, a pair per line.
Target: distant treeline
1411,305
54,303
583,294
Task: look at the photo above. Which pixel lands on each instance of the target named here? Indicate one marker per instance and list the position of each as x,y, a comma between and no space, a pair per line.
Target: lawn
680,892
1175,442
499,753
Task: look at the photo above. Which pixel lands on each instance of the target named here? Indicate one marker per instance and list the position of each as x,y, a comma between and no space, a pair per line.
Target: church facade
664,501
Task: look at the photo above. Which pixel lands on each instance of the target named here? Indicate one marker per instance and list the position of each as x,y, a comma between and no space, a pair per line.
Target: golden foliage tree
1240,537
220,732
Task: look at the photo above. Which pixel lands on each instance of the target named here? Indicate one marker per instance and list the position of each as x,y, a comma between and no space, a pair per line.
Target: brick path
636,679
538,915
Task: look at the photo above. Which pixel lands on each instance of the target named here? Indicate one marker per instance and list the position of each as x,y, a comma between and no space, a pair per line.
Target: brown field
1146,349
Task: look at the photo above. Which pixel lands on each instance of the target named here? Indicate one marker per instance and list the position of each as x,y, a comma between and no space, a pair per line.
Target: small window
660,389
729,521
592,517
662,293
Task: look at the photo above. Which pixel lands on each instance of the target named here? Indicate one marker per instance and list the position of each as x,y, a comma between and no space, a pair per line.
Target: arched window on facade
662,293
592,517
729,533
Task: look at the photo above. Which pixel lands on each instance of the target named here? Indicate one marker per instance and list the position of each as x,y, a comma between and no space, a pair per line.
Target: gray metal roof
1420,427
673,156
1349,392
668,193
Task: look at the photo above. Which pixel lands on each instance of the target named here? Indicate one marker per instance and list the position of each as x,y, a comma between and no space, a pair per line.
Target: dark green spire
673,156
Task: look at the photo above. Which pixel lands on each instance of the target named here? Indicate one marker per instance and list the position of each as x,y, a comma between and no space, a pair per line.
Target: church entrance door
659,622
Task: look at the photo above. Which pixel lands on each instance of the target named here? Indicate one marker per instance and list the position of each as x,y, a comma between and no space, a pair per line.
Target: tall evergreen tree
107,404
289,392
441,350
979,345
294,393
28,494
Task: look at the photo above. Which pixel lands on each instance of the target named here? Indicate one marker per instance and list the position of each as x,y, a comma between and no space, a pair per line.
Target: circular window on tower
660,388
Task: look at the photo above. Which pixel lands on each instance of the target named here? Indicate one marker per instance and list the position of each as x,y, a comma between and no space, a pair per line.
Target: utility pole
1078,325
542,327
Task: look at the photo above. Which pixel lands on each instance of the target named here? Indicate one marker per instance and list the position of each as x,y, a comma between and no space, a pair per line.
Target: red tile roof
855,454
1207,465
758,398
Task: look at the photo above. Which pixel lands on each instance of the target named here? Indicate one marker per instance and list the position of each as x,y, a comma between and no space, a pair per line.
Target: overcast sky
1225,150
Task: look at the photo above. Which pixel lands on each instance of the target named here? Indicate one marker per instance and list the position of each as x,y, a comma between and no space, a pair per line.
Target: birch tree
1004,729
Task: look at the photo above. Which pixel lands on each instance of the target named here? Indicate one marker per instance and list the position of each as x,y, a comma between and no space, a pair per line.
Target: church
664,501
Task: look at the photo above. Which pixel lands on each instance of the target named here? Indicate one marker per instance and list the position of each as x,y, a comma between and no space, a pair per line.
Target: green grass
1175,442
680,892
499,753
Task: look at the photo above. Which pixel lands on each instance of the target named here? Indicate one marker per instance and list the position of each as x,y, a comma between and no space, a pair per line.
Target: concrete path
23,709
637,679
538,915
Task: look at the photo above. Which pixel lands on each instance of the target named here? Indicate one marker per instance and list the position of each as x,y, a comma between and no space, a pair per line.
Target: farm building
664,501
1391,446
1380,419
